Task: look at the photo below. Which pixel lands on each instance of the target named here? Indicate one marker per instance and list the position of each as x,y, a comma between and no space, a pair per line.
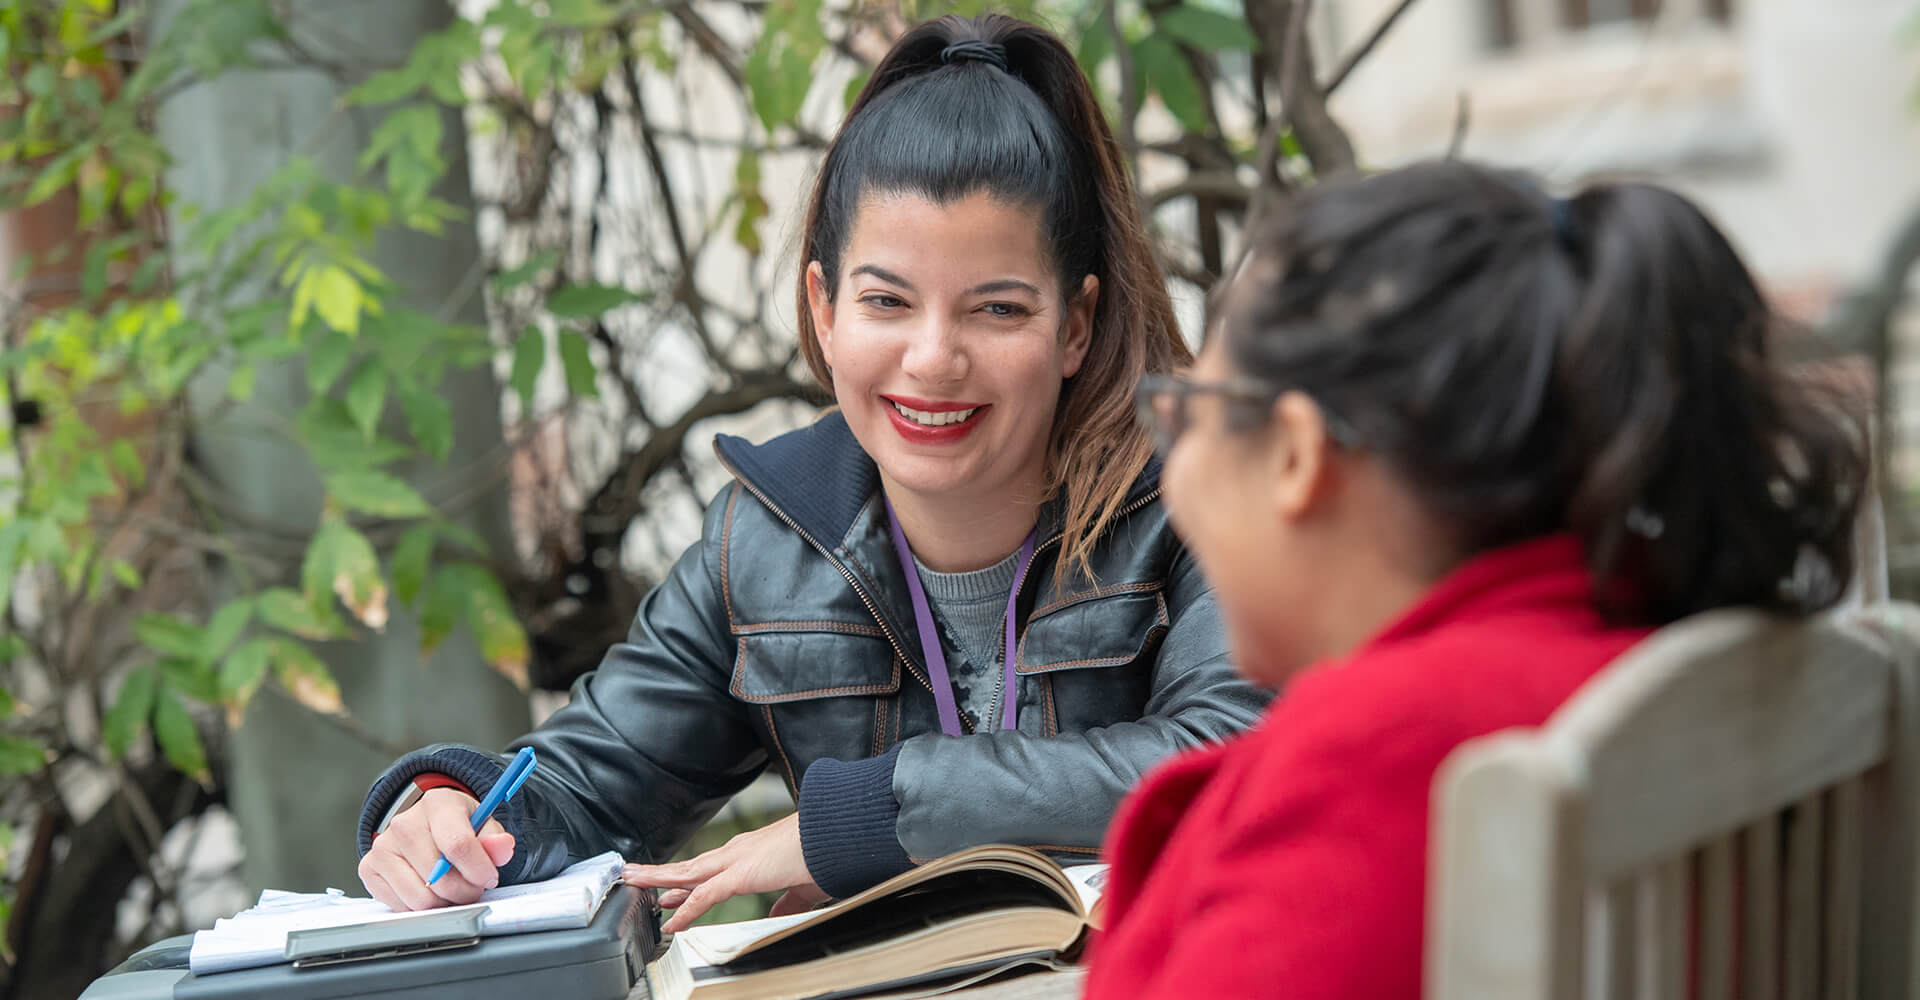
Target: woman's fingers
672,898
408,889
453,836
799,899
698,902
678,875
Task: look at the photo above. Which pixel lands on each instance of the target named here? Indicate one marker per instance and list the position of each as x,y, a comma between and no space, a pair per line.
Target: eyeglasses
1162,402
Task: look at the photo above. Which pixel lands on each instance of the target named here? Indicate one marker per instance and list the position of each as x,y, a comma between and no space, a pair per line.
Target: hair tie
976,50
1566,228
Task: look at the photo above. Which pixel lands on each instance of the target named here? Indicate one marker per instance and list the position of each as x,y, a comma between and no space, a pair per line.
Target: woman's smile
934,423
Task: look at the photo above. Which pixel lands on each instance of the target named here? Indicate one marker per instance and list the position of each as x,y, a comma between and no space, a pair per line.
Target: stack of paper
258,936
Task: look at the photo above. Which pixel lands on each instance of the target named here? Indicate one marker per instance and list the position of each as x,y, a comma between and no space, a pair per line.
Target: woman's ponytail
1713,476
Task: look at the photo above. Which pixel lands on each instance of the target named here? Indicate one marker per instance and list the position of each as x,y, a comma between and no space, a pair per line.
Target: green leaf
337,297
196,679
1165,71
168,635
386,86
225,627
127,463
430,419
444,606
126,574
6,703
1096,47
526,272
529,354
292,612
240,383
342,560
367,397
20,756
331,354
463,536
243,671
130,710
336,444
779,70
1206,30
466,591
578,363
306,678
589,301
179,737
378,493
503,643
411,558
854,87
753,205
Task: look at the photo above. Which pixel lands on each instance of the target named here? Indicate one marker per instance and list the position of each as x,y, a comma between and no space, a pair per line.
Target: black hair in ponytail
1601,364
994,105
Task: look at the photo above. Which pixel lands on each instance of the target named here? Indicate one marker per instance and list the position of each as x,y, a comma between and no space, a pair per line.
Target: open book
979,910
258,936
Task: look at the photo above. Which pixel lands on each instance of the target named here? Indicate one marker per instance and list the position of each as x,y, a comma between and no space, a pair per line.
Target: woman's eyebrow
884,275
1003,285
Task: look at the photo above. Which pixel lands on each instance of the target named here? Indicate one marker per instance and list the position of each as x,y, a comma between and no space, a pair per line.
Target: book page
258,936
1090,881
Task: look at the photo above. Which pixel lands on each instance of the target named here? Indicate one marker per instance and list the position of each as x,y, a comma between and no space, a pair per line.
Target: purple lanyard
930,635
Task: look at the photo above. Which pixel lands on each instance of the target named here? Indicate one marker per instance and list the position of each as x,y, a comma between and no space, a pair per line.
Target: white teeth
925,419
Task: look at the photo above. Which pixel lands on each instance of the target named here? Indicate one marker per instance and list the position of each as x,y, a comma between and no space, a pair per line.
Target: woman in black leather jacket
981,299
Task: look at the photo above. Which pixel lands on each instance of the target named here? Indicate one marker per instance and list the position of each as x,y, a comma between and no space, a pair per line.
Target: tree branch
1366,48
1282,27
1220,185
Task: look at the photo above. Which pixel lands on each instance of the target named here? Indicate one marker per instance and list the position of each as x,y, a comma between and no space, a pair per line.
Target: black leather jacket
786,636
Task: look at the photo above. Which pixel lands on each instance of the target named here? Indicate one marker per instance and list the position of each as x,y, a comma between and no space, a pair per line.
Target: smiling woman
949,613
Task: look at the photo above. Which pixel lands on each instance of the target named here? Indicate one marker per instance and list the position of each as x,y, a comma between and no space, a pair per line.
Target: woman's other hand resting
762,860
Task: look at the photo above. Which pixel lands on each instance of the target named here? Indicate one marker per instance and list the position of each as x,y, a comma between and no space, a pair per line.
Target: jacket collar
820,478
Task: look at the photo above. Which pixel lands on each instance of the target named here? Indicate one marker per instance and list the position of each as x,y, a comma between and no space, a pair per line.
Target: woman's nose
935,352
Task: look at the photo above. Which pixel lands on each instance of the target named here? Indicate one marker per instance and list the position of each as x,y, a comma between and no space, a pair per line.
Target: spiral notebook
258,935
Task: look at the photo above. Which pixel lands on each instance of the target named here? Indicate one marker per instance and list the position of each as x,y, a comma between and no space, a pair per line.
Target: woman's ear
1078,333
1302,472
820,305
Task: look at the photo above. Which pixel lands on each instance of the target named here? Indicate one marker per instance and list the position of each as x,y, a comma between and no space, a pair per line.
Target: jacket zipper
859,591
997,710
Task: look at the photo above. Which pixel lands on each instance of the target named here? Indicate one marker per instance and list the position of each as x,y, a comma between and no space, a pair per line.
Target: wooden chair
1728,811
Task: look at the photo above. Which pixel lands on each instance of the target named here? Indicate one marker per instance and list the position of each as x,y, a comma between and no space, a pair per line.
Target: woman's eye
1005,310
882,301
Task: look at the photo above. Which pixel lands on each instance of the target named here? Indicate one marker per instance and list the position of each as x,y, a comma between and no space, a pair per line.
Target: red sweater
1292,862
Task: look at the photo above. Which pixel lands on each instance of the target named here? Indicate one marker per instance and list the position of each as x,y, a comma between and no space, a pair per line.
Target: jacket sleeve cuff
474,769
847,824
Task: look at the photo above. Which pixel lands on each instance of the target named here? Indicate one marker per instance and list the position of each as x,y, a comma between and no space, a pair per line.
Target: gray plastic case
601,961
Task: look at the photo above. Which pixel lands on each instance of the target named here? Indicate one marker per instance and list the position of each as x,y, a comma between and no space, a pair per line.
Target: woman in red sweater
1457,445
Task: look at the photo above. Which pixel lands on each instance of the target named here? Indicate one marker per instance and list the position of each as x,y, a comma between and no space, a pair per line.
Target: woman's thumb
499,847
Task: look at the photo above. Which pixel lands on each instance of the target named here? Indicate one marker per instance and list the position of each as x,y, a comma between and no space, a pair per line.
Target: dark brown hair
1530,365
1010,114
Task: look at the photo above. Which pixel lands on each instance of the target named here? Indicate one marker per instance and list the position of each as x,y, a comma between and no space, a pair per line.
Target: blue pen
510,782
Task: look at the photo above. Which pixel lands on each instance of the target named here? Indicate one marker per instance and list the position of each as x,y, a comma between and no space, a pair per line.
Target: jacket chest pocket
820,689
1093,657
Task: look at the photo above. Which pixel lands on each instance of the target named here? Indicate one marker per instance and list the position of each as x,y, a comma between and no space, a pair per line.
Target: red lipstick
917,433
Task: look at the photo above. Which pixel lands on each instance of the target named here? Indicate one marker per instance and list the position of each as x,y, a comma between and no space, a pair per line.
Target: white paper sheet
258,936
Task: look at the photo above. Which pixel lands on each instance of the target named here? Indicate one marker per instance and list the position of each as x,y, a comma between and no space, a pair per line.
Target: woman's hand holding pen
395,871
760,860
